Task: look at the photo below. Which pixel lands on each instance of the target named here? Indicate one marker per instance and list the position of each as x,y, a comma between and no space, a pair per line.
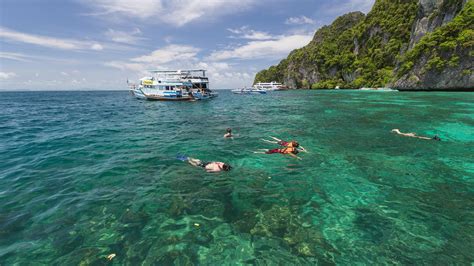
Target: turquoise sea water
87,174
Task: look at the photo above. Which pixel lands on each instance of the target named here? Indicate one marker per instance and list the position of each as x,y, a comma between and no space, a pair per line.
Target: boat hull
170,99
138,94
166,95
204,96
249,92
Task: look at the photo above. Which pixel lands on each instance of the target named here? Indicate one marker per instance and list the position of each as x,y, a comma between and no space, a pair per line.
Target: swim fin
182,157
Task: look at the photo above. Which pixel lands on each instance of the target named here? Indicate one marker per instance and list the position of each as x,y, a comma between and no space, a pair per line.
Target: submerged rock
305,250
272,222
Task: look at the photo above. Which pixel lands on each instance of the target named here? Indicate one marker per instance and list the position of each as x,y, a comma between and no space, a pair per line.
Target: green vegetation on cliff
354,51
357,50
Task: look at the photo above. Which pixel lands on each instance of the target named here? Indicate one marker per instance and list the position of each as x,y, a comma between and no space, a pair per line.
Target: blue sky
98,44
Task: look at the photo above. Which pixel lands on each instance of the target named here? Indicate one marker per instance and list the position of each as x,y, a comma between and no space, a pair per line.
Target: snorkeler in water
228,133
413,135
292,151
210,167
289,144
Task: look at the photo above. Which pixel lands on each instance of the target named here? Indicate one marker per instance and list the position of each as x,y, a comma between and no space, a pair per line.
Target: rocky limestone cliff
431,15
441,55
408,44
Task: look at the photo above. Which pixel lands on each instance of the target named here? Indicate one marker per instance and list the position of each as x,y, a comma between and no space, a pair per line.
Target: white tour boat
270,86
179,85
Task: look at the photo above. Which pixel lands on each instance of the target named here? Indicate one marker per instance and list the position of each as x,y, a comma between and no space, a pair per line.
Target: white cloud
131,37
169,57
64,74
175,12
221,74
168,39
50,42
32,58
249,34
135,8
271,49
15,56
7,75
97,47
168,54
126,66
299,21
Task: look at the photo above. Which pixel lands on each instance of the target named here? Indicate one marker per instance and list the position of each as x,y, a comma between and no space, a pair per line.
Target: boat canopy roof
179,72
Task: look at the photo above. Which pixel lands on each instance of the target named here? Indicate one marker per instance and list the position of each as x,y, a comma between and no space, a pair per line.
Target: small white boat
249,91
376,89
270,86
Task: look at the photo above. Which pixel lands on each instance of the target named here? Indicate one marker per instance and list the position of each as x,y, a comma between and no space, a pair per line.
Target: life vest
287,150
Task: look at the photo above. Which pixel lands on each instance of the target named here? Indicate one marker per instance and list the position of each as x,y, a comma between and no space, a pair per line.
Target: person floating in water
292,151
228,133
413,135
210,167
289,144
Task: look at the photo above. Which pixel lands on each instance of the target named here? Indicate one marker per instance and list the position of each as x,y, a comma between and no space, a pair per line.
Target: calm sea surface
87,174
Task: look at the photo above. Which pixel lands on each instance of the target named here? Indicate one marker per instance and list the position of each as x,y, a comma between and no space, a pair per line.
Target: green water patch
94,174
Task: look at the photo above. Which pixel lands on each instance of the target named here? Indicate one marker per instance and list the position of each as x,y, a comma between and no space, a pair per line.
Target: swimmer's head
229,130
295,151
295,144
226,167
436,137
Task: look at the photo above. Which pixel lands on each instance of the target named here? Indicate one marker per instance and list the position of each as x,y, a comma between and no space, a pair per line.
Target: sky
99,44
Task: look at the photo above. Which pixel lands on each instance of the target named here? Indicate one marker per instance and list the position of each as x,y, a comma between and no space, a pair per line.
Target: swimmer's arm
423,138
212,171
277,139
303,149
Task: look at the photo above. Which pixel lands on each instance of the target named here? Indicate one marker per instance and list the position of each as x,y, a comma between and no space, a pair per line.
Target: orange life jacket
287,150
